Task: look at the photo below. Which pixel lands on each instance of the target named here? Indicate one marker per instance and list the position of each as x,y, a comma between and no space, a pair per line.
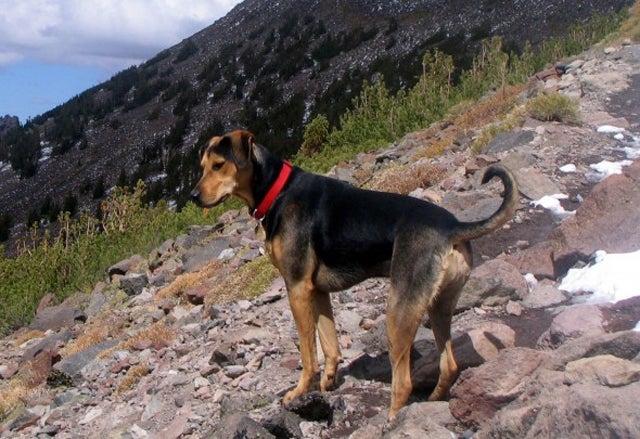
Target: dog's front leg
328,340
302,306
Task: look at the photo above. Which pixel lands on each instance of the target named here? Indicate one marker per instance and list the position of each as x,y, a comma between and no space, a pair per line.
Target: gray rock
135,263
134,283
534,185
416,421
57,317
543,295
508,141
72,366
239,426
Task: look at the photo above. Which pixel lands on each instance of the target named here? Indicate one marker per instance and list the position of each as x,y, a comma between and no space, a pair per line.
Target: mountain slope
268,66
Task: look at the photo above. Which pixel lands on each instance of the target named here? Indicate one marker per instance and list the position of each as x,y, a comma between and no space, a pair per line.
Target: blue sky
52,50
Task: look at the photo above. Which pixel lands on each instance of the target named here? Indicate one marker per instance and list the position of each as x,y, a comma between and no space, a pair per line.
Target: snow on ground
568,168
609,129
552,203
613,277
605,169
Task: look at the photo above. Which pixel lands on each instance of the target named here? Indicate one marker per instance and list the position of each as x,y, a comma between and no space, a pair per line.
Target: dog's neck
267,169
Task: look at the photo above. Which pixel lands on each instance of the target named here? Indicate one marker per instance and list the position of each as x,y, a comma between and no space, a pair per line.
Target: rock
415,421
533,184
8,370
471,349
604,370
134,283
349,321
135,263
508,141
312,406
72,366
480,392
537,260
594,397
517,160
198,256
543,295
573,322
50,343
470,206
493,283
239,426
590,230
284,424
27,418
57,317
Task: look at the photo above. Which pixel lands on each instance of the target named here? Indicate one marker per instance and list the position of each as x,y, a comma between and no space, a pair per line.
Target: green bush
81,253
554,107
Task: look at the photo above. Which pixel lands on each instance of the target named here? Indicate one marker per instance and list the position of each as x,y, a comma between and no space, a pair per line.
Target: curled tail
475,229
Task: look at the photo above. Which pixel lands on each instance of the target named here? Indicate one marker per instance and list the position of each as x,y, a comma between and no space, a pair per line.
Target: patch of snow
619,136
609,129
568,168
605,169
552,203
613,277
531,281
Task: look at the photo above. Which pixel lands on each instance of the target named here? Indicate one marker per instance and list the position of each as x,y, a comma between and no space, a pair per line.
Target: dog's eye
217,166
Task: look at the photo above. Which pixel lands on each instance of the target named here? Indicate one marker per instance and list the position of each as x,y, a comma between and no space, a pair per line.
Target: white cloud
107,33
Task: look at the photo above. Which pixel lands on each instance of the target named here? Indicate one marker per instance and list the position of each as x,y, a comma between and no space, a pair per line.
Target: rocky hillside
268,66
164,348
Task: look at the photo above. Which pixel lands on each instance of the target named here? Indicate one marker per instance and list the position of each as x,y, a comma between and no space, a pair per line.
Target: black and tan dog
324,235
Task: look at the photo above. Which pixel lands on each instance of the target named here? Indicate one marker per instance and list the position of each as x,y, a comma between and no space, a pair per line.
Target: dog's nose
195,195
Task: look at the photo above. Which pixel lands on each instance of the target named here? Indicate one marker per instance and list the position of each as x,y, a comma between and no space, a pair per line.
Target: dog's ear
241,147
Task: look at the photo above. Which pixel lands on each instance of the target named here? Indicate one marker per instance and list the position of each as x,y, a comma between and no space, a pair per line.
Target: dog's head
227,167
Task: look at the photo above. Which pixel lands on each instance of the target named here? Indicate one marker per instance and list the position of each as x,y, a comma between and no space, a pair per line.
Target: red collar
273,192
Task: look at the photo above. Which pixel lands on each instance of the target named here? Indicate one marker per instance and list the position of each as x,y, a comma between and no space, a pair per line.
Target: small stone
234,371
514,308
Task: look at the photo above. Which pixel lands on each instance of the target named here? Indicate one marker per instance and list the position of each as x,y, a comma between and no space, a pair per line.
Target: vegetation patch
248,281
554,107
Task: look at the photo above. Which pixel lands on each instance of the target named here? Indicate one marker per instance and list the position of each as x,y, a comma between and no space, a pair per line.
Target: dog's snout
195,195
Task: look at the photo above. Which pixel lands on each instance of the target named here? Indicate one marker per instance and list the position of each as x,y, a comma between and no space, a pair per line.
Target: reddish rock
574,322
480,392
607,220
537,260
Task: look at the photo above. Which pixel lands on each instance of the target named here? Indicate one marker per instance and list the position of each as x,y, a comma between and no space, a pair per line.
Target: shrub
315,134
554,107
79,255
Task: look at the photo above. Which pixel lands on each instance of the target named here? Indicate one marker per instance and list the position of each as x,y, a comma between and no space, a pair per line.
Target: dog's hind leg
456,267
328,339
403,319
301,300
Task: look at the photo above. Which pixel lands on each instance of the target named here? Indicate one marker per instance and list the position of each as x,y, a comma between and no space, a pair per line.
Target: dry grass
89,338
437,146
631,26
248,281
158,334
404,179
29,335
12,396
189,280
490,109
132,376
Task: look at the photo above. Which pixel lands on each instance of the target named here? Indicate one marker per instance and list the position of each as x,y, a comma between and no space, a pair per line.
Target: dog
324,235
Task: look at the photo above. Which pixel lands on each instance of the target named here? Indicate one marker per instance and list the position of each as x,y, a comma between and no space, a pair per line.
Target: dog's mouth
215,203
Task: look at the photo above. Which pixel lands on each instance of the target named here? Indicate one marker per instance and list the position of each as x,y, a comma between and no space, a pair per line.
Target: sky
52,50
